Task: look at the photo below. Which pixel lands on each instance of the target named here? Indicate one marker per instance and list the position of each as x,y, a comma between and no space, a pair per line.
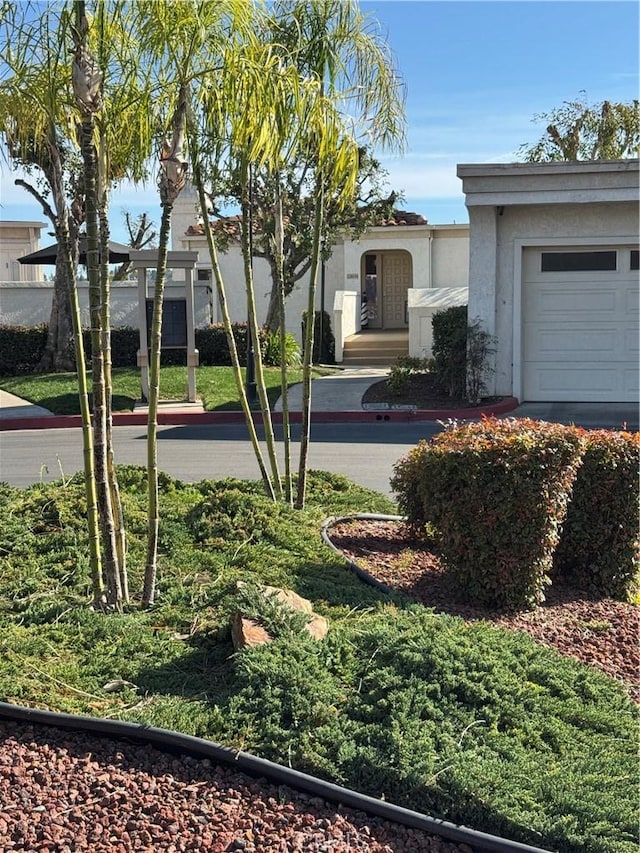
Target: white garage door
580,324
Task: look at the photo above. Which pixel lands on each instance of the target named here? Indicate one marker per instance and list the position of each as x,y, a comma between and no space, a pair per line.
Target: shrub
450,349
272,350
405,367
599,548
324,351
497,492
21,348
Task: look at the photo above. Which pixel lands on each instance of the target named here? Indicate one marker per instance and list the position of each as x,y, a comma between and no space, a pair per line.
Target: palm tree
333,43
181,44
87,87
35,115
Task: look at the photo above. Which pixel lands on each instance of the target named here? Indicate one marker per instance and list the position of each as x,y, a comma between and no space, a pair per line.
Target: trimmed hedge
496,492
599,548
21,347
450,349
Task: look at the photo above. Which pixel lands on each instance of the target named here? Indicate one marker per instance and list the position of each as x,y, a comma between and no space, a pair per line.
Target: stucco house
553,275
368,287
16,239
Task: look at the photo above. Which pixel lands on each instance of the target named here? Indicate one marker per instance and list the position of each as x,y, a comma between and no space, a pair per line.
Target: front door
387,278
396,280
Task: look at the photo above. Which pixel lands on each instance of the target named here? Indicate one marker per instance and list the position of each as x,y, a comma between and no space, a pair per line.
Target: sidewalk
336,398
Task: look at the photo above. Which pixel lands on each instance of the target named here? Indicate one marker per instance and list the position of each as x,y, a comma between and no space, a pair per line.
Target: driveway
588,415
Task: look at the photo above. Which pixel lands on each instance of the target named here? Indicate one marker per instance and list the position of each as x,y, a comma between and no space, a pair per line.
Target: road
365,453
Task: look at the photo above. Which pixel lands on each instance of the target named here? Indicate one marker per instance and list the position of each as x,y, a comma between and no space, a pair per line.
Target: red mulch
603,633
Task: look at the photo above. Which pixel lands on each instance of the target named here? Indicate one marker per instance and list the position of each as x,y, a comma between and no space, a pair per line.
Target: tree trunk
100,441
307,356
153,524
114,490
252,320
58,356
284,385
233,350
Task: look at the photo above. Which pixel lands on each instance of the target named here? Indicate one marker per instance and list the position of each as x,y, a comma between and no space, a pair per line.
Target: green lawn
216,386
465,721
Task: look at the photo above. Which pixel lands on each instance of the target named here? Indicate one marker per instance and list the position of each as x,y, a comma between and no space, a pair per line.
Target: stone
248,633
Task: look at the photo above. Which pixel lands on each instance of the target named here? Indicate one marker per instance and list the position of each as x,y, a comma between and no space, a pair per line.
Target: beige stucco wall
513,205
497,239
18,239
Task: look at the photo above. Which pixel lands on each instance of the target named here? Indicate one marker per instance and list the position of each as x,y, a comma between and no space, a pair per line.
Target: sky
475,74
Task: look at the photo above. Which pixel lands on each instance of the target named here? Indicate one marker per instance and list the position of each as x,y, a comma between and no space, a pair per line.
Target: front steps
375,348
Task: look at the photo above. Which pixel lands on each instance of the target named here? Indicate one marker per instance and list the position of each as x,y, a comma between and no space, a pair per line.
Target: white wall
29,304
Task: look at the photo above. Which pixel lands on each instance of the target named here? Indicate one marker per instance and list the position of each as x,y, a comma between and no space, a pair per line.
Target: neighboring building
18,239
381,269
554,276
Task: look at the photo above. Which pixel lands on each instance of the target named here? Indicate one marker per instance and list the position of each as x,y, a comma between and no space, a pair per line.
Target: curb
184,418
171,741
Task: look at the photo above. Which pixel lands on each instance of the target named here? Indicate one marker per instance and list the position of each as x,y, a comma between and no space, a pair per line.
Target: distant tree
367,206
142,233
577,131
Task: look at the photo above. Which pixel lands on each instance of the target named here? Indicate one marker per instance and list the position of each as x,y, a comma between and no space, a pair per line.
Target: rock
290,598
247,632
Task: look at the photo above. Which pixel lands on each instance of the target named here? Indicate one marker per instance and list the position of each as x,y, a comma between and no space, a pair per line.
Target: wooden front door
387,278
396,281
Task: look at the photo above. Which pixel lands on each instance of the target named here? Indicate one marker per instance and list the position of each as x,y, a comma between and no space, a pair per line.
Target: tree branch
46,207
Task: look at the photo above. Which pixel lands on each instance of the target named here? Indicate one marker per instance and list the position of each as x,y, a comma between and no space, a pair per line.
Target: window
204,275
174,323
633,261
579,261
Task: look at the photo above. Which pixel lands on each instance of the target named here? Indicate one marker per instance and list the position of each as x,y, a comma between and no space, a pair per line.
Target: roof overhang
577,182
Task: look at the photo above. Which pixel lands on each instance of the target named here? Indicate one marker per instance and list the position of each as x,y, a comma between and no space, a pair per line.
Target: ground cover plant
472,723
215,386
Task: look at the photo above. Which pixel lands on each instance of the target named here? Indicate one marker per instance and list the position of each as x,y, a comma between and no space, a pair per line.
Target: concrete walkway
14,407
339,392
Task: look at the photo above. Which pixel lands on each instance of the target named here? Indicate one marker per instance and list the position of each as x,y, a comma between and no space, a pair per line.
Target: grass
216,386
464,721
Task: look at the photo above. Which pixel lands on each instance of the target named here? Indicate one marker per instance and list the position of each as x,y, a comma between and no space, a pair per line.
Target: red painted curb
183,418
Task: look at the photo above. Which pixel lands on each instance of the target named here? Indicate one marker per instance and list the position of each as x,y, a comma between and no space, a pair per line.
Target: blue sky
476,73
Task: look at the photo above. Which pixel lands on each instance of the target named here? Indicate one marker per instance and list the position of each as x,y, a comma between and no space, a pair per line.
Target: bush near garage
450,349
599,547
497,493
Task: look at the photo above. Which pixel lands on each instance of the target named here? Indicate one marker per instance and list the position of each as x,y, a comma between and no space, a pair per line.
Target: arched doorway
386,277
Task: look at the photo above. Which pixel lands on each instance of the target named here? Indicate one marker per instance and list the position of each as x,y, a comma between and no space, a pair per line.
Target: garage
580,324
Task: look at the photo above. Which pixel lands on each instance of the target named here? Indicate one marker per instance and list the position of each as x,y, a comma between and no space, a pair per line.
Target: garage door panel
632,301
558,302
585,383
579,333
570,343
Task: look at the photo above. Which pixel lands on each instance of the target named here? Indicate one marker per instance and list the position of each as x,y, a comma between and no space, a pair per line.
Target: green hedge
496,492
449,349
599,545
21,347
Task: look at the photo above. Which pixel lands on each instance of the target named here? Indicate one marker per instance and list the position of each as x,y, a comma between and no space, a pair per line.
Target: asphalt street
365,453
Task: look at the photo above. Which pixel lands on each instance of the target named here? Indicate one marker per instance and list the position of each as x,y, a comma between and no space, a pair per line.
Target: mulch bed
420,390
599,632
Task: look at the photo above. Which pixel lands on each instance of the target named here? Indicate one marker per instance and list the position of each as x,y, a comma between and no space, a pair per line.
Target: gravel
599,632
68,791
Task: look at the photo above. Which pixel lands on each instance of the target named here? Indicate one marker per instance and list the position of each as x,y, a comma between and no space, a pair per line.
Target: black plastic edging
261,767
354,567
